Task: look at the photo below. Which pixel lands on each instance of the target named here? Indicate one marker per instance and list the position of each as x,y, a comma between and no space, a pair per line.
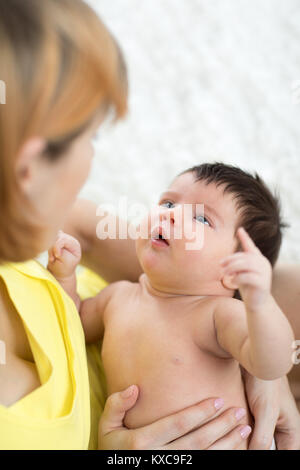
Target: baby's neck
163,292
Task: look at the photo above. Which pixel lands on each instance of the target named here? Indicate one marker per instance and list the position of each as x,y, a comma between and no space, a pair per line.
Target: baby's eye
167,204
203,219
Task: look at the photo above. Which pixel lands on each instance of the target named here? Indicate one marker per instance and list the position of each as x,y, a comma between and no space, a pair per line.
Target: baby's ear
228,282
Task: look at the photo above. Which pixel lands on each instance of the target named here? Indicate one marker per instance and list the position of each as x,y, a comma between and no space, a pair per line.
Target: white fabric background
209,80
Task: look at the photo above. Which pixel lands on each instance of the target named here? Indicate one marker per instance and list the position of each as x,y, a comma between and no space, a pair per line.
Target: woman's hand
197,427
275,413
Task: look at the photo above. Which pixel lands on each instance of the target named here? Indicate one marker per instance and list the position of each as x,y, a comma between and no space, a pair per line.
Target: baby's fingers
247,279
51,257
240,264
66,242
247,243
235,256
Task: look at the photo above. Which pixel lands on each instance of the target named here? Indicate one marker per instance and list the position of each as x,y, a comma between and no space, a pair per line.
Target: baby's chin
180,281
156,266
169,276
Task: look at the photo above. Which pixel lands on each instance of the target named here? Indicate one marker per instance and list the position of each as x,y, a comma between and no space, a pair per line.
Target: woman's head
63,72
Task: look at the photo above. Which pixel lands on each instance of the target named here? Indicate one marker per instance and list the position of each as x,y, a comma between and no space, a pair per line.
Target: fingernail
219,402
128,392
245,431
239,413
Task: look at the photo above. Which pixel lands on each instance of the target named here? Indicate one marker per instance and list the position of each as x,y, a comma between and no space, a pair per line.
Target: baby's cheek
185,259
194,238
140,244
224,250
142,231
194,259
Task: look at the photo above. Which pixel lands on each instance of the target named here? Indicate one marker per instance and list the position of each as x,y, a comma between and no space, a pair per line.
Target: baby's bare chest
167,350
144,338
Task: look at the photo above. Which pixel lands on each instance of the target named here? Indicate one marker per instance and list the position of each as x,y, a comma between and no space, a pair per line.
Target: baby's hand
251,271
64,256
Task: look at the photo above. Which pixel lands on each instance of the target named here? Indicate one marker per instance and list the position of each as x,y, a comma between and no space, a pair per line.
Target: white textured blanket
209,80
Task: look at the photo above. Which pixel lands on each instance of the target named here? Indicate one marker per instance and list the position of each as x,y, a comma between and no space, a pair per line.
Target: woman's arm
113,260
286,290
18,378
275,413
18,373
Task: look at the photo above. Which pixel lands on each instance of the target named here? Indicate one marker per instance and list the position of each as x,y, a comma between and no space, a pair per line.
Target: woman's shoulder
16,294
32,268
18,372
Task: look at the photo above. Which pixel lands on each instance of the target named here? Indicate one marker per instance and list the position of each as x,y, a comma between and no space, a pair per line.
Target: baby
182,331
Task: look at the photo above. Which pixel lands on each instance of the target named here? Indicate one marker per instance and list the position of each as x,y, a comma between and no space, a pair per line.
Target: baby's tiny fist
64,256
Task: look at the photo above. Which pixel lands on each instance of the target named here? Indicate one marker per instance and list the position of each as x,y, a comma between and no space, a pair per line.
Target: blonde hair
60,66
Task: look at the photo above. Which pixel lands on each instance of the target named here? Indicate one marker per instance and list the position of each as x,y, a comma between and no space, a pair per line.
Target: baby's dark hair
260,210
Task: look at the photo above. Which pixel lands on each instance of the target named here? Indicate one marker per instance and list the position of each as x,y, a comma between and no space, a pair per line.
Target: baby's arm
92,314
260,341
64,256
256,332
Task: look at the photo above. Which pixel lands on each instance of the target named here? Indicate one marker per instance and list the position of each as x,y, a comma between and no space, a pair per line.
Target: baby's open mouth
158,238
162,239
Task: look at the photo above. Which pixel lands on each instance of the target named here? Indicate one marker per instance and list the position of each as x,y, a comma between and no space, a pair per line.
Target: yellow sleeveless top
62,413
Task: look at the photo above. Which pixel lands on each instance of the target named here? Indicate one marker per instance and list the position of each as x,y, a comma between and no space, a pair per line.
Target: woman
63,73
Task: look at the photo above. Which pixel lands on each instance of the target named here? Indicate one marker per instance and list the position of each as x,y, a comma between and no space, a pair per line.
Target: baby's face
172,267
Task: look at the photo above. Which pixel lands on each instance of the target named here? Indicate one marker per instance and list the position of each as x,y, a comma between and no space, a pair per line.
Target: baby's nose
167,215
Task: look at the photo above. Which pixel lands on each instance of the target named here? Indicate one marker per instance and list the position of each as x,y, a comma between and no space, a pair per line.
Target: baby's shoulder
119,287
228,305
211,303
121,290
119,295
122,285
211,312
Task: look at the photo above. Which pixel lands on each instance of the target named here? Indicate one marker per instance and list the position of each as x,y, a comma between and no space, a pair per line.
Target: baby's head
231,198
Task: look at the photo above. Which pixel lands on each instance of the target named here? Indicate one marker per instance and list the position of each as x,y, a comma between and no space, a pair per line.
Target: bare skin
223,432
18,351
130,351
137,320
19,377
82,224
161,328
286,290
